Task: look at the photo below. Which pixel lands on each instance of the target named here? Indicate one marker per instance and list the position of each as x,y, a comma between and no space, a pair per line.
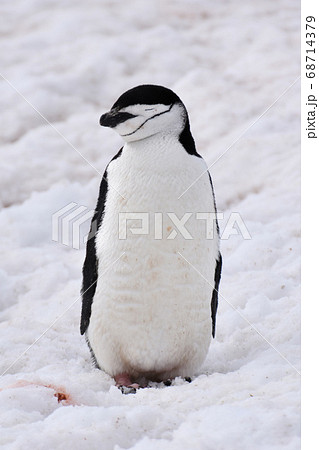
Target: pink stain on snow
59,392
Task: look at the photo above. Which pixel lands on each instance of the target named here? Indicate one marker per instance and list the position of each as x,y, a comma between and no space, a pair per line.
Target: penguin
152,270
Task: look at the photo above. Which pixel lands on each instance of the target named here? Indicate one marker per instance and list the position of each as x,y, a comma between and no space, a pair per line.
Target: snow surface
228,61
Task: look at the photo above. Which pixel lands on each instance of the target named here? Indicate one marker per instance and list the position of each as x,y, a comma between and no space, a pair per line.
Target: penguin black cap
146,94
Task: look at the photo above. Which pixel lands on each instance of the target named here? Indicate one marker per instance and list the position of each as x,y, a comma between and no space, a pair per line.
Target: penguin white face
144,111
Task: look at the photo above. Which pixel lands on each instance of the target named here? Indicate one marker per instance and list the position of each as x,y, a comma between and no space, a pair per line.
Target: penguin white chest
151,310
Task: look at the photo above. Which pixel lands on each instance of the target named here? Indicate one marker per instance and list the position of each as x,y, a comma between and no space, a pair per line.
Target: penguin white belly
151,313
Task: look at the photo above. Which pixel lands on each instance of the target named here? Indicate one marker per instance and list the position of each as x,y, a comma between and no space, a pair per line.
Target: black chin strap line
150,118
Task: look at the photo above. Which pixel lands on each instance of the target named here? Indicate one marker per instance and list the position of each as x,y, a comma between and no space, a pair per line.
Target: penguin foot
125,384
169,382
127,389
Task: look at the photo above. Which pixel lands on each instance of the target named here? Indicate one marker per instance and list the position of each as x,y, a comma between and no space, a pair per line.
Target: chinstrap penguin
147,313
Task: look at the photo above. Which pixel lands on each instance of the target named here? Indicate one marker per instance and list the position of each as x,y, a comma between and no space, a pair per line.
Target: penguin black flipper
91,264
218,271
214,302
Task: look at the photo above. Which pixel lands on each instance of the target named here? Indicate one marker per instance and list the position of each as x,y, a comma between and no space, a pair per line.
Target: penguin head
144,111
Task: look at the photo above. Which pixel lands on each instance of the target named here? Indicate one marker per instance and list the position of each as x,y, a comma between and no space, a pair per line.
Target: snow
229,61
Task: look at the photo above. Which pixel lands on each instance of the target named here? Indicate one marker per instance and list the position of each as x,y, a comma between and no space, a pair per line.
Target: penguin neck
158,144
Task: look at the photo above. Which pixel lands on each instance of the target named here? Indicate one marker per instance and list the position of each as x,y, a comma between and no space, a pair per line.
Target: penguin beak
113,118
